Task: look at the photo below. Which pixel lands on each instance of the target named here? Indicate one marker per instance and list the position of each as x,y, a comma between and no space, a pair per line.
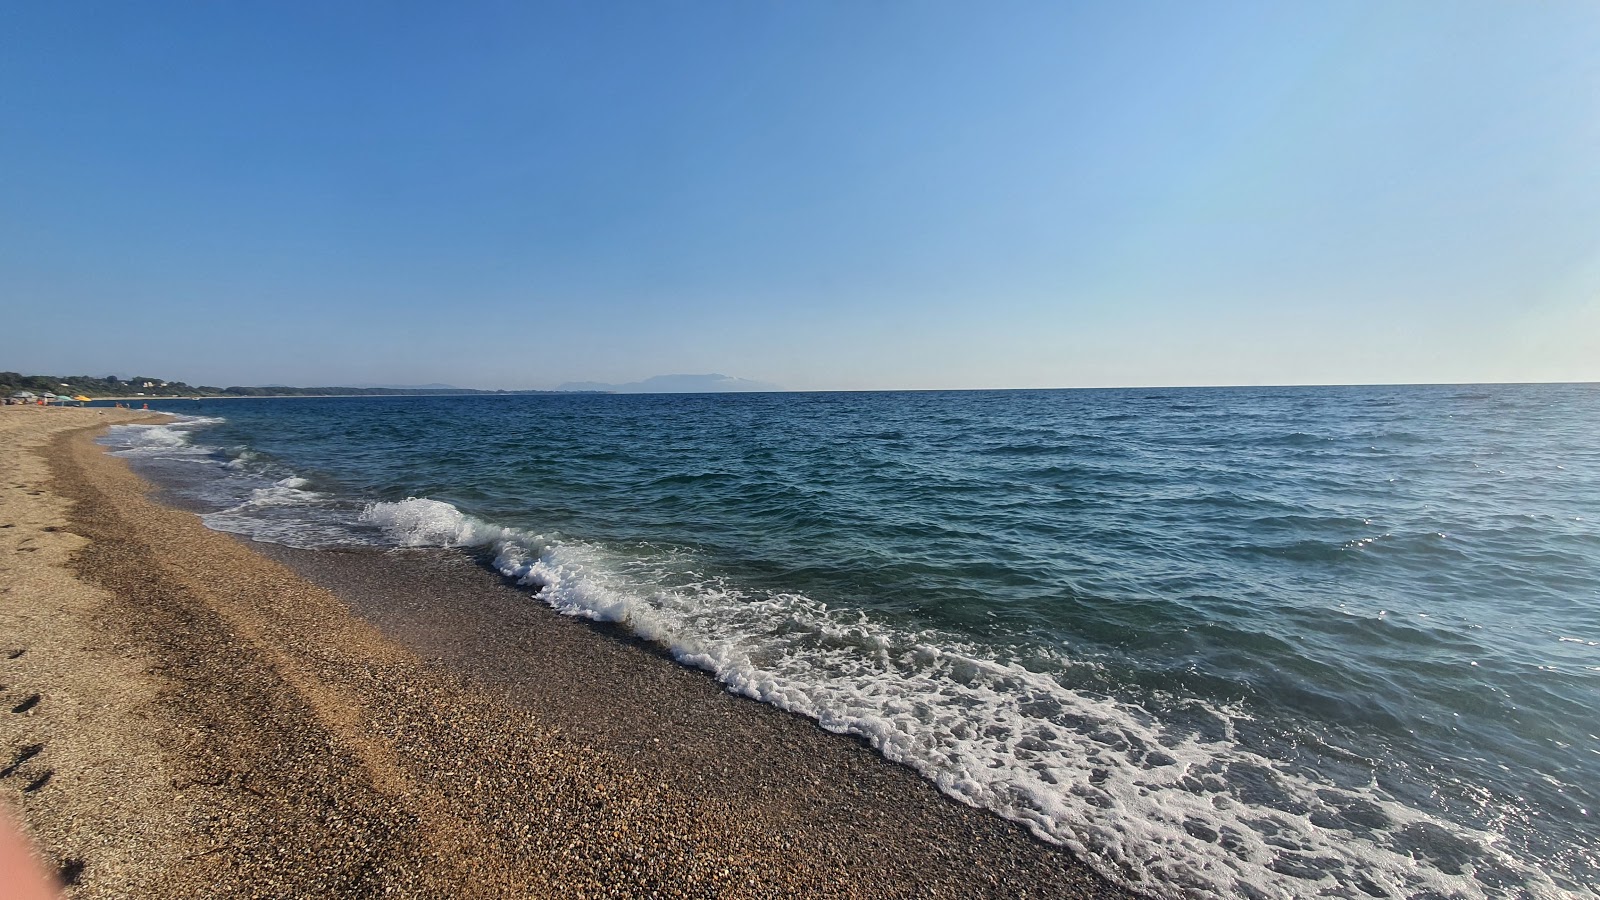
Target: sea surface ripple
1251,641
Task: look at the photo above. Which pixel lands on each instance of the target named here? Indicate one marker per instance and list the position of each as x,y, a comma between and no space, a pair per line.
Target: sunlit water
1263,642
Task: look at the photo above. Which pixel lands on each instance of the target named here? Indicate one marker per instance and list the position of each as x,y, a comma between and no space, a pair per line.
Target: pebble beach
187,714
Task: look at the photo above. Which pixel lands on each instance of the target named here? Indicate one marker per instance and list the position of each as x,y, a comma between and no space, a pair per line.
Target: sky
826,196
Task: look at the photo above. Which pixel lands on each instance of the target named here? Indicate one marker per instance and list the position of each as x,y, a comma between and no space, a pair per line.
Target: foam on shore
1173,800
1174,805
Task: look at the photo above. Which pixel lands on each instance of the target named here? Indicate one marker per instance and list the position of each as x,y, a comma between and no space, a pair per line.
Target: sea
1229,642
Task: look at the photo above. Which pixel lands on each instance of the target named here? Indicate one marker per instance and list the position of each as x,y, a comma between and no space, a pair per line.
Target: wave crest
1173,802
420,522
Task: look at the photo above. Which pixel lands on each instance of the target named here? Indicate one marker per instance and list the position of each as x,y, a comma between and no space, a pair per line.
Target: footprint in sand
70,872
21,758
40,781
16,653
27,704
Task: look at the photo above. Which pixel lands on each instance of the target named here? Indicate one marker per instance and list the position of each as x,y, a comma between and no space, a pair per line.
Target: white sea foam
430,523
170,440
285,512
284,492
1173,805
245,495
242,461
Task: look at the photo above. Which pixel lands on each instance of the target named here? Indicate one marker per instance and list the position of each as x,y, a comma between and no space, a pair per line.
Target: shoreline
346,724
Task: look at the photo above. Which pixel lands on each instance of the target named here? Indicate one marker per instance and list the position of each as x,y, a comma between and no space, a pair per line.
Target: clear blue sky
822,195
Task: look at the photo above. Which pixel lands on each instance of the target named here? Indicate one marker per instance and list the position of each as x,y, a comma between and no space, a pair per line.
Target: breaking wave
1228,646
1172,801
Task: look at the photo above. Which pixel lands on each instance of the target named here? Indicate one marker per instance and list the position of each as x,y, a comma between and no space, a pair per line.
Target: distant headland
143,386
146,386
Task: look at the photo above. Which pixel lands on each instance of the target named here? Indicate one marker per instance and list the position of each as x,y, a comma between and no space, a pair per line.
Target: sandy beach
187,714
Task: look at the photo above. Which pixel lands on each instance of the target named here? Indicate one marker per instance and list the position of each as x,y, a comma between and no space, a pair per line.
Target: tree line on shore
112,386
108,386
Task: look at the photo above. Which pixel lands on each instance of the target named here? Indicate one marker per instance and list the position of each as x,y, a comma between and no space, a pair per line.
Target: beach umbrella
82,399
23,395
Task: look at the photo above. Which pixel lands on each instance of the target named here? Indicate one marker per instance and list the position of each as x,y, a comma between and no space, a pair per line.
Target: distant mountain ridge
713,383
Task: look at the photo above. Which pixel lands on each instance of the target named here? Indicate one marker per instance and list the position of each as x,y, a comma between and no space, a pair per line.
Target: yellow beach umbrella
82,399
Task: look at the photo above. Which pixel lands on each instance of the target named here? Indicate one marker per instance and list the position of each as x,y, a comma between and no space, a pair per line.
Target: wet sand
220,718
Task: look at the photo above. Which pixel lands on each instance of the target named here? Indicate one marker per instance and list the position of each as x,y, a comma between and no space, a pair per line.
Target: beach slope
186,716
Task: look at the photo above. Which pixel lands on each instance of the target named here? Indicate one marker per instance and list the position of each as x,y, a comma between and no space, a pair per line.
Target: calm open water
1263,642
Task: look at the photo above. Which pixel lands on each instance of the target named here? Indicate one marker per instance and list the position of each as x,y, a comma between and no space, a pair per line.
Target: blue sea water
1222,642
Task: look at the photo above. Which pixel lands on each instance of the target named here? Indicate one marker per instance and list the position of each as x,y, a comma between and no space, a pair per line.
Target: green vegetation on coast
112,386
108,386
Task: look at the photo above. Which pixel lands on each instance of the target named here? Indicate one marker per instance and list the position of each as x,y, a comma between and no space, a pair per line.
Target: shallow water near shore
1291,641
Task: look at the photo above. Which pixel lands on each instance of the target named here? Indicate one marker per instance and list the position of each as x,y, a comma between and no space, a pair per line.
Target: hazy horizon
638,387
822,197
